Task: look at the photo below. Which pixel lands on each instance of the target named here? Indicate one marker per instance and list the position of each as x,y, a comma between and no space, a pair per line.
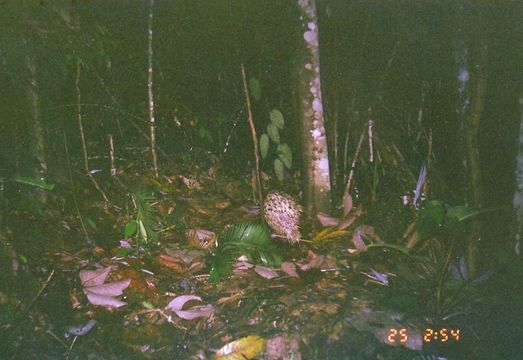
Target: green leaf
273,132
34,182
462,213
279,169
142,231
123,252
252,240
146,215
431,219
285,155
130,229
255,88
277,118
264,145
91,223
400,248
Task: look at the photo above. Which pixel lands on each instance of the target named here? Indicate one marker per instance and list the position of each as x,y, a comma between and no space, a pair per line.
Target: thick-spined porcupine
282,214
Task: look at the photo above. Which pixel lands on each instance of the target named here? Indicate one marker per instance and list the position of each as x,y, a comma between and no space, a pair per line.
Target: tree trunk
471,128
314,143
38,143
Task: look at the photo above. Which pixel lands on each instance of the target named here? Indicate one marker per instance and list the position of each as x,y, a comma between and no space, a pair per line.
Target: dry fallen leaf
201,238
290,269
194,312
265,272
243,349
99,293
327,220
347,204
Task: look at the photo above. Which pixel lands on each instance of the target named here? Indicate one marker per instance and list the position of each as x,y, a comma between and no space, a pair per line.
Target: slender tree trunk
314,142
518,193
38,143
152,123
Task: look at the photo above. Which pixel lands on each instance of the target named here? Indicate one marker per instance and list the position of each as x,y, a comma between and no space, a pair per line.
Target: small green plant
252,240
283,157
430,261
141,226
282,151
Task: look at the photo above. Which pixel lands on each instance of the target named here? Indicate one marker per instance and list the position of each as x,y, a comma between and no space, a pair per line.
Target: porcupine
282,214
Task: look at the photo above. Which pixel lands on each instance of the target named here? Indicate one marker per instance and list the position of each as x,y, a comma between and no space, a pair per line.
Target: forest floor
92,281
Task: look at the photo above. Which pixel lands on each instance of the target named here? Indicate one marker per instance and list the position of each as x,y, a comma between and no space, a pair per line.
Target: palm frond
250,239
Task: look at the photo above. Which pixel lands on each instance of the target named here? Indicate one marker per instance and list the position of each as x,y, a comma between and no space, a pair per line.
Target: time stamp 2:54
443,335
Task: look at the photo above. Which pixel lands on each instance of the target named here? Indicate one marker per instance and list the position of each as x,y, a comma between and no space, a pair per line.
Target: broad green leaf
285,155
279,169
264,145
277,118
123,252
130,229
431,219
252,240
255,88
273,132
34,182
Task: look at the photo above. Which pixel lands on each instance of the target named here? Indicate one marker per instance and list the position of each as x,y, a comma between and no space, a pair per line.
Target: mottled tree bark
314,142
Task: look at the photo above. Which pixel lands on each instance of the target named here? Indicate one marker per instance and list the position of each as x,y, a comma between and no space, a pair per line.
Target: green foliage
427,270
285,155
273,132
431,219
439,220
264,145
142,226
277,118
34,182
283,151
279,169
252,240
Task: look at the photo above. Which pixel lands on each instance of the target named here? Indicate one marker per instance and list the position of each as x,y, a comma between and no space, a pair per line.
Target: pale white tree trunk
316,161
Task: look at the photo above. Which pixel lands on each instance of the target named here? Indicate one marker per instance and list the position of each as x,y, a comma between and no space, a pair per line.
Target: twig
82,135
75,199
371,146
254,137
52,334
41,289
111,155
353,166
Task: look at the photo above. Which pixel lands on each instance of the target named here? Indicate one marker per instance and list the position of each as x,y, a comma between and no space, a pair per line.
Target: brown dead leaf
290,269
347,204
201,238
171,263
265,272
178,303
326,220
